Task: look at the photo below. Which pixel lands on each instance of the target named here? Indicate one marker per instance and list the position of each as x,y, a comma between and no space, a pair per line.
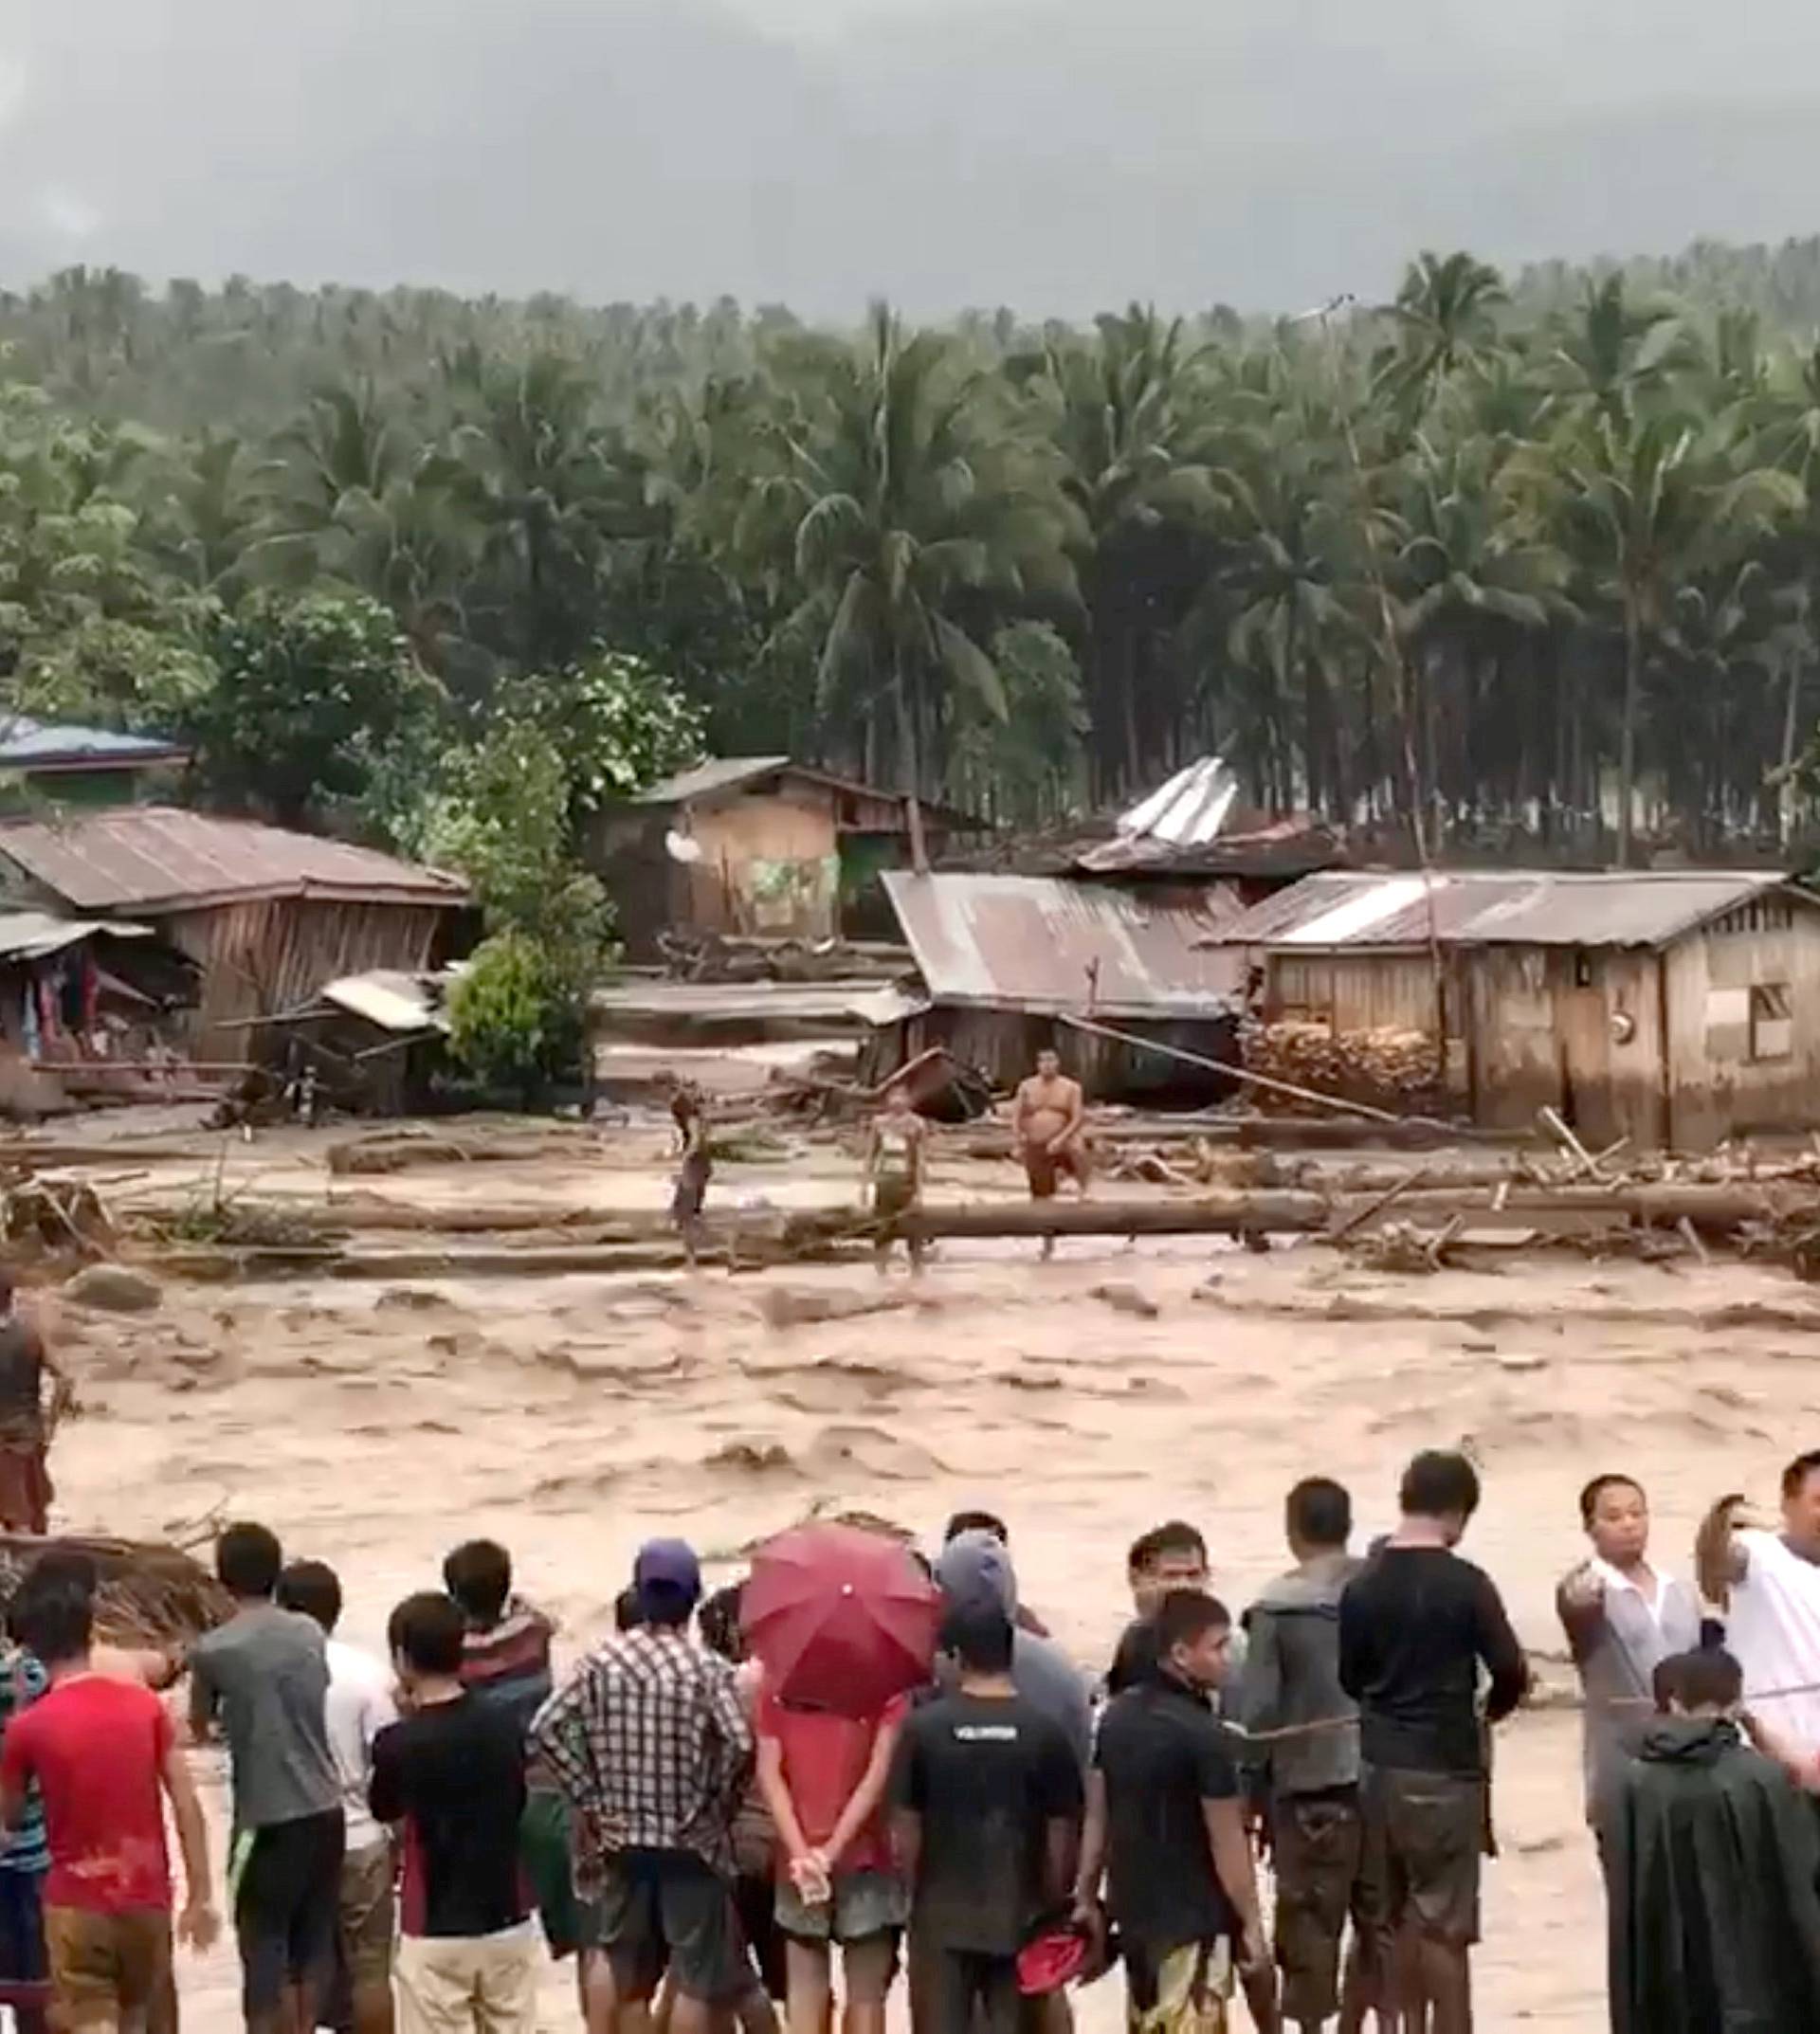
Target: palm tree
1652,499
916,496
1131,415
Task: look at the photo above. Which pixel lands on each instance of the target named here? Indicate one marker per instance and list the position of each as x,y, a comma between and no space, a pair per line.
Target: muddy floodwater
374,1423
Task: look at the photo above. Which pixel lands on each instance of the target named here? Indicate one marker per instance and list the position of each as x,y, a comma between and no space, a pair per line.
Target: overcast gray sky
1055,155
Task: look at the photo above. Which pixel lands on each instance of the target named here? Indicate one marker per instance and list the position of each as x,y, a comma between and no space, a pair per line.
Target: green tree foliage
1497,558
310,693
513,1021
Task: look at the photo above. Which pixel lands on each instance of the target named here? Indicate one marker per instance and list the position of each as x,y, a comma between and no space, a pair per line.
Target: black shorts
755,1900
25,1971
964,1991
287,1907
666,1907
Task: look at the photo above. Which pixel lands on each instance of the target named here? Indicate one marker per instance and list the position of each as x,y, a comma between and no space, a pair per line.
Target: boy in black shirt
987,1800
1414,1627
452,1774
1165,1823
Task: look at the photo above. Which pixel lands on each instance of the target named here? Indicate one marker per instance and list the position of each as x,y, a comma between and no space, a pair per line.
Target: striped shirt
22,1681
508,1663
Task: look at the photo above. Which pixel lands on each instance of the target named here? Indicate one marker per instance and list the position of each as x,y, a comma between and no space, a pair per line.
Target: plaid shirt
650,1741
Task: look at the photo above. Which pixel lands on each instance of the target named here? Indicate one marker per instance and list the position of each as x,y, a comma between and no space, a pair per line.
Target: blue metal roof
26,743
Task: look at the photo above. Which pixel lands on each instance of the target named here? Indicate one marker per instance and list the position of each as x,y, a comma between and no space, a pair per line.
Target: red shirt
825,1758
97,1749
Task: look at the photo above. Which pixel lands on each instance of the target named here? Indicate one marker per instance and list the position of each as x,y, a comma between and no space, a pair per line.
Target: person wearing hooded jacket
975,1569
1291,1679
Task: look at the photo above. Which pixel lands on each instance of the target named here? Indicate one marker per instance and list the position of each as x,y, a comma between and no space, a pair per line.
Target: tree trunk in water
1627,731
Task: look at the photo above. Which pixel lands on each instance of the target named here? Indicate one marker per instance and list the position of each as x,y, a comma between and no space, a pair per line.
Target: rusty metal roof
161,857
1499,907
1035,943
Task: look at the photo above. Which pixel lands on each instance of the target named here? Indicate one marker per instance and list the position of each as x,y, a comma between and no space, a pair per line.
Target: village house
1010,964
59,763
757,845
1675,1009
266,916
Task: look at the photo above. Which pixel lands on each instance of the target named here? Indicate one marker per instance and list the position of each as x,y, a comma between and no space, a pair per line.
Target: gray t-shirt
265,1674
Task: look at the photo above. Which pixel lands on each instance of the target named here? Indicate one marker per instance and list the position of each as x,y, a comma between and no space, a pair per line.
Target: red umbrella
840,1619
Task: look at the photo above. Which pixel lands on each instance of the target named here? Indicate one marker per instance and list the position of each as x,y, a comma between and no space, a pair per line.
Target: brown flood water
374,1426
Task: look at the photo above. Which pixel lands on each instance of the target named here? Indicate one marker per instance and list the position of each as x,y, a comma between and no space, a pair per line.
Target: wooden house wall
768,865
272,954
1743,998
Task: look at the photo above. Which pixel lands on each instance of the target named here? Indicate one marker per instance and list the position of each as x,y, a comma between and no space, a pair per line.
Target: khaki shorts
468,1984
367,1912
110,1968
1423,1835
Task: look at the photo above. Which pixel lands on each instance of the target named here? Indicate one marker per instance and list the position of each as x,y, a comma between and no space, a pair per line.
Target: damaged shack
1010,964
265,915
86,1005
1672,1007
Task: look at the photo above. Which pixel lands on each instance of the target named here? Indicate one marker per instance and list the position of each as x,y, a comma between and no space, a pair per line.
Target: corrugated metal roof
726,774
145,856
1041,944
707,780
1497,907
29,935
391,999
1188,810
26,743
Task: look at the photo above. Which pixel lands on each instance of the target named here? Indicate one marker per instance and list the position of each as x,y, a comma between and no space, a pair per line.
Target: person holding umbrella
844,1626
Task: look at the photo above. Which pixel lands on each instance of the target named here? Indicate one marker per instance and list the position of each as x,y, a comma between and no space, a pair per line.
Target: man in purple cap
650,1741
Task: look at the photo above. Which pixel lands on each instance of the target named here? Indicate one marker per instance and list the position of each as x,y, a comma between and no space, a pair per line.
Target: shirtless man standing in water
1046,1120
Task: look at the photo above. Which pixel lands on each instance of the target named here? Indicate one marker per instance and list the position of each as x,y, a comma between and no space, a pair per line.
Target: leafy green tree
310,693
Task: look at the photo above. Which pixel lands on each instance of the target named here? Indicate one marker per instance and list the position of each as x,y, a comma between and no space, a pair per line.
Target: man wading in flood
25,1424
1046,1120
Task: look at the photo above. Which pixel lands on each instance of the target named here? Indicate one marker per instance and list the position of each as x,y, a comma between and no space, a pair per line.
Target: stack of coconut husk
1385,1069
151,1594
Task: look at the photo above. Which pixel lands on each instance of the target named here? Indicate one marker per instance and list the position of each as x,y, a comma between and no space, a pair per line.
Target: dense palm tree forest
1469,564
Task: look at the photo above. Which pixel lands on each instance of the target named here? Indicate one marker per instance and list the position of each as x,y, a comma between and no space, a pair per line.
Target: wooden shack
757,844
266,915
1012,964
1675,1008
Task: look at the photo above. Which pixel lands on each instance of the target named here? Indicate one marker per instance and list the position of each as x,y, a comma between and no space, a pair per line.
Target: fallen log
1226,1215
1714,1210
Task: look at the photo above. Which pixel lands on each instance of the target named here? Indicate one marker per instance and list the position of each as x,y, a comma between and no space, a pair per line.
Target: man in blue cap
650,1741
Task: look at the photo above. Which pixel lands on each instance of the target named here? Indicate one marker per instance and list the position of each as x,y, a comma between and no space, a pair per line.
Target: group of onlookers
706,1849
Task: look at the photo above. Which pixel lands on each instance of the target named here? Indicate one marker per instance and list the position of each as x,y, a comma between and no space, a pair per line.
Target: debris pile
149,1594
1384,1069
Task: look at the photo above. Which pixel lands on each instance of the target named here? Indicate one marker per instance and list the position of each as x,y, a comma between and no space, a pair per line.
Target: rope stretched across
1318,1724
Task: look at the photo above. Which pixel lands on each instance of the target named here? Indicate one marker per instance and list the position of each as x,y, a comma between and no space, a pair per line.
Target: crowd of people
412,1839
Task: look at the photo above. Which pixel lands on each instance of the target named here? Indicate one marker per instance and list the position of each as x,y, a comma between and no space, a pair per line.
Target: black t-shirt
1414,1625
987,1776
1135,1661
453,1774
1163,1753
